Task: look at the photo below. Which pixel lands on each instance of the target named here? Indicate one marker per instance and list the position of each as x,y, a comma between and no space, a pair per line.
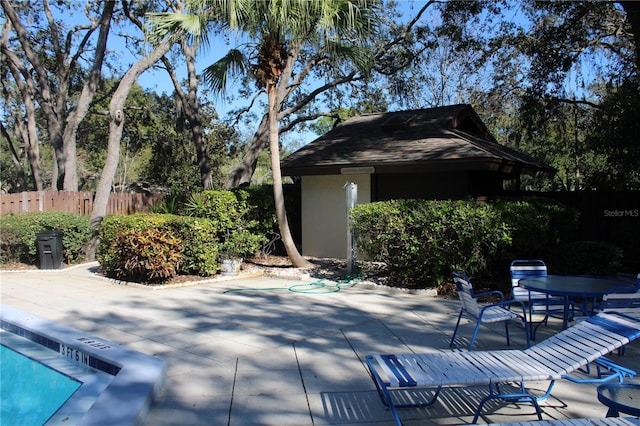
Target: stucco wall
324,213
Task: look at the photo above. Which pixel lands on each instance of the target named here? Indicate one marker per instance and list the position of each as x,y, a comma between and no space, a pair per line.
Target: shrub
254,205
199,244
145,255
169,204
536,225
111,227
223,208
263,216
421,241
25,227
197,240
230,212
12,249
586,258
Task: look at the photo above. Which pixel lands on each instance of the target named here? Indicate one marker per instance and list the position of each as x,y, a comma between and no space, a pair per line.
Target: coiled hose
315,287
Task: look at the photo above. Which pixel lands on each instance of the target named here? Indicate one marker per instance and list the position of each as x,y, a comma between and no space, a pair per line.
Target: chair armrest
506,303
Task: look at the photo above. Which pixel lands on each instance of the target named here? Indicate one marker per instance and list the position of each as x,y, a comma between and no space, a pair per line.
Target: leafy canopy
276,27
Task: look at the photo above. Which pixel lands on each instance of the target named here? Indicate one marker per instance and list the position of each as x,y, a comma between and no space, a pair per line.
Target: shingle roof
407,141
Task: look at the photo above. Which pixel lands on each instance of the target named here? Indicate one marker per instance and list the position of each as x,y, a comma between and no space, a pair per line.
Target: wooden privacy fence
74,202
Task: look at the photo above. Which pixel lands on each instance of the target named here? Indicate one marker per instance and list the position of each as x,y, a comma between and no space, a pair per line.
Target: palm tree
278,27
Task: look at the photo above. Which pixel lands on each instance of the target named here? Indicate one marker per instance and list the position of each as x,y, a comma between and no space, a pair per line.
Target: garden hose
315,287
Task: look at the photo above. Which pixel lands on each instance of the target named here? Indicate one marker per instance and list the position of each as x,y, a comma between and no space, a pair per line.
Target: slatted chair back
466,294
521,269
621,302
537,302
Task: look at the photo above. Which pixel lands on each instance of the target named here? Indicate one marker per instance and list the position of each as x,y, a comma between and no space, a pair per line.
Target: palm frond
235,15
337,16
217,75
340,26
172,26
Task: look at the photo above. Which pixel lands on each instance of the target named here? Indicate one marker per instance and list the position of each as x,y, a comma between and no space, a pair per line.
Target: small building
435,153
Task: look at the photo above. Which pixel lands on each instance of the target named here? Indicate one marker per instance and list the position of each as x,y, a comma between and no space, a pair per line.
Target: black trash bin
50,249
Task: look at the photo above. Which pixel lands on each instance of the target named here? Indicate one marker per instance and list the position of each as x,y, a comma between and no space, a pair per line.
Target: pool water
31,391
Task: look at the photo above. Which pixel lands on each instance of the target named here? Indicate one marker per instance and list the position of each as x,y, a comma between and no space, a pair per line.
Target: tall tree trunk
28,132
278,193
192,110
89,89
53,99
32,143
117,114
22,179
243,172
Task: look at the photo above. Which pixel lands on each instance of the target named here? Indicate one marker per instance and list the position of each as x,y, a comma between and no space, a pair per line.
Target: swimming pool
91,382
31,391
117,384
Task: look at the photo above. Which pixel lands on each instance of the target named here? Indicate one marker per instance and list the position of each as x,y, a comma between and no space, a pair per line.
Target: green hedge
254,203
536,225
18,235
263,215
238,227
421,241
214,225
169,245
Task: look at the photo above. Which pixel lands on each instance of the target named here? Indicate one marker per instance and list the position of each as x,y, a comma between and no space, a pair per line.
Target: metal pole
352,249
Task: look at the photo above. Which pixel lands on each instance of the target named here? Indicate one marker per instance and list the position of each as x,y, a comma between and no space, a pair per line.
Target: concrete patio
276,357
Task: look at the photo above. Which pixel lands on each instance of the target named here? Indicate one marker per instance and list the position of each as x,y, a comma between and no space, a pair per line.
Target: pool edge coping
138,382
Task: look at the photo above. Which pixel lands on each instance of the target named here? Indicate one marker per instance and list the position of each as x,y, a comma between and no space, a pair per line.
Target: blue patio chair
538,303
484,314
621,299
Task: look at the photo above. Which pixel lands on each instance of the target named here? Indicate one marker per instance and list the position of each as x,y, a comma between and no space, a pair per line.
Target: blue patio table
572,287
620,398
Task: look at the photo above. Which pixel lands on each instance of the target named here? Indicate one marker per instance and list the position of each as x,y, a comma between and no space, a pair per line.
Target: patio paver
278,357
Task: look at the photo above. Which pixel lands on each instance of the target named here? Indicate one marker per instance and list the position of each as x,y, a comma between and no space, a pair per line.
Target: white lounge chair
552,359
